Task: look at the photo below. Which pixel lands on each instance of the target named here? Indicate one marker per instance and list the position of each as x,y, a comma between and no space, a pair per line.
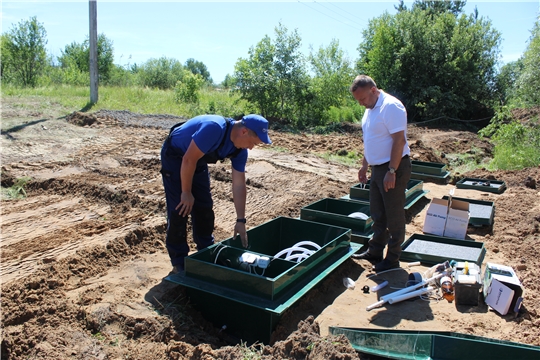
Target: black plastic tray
494,186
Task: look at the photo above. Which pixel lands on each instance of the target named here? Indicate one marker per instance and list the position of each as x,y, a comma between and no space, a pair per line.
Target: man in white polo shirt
386,152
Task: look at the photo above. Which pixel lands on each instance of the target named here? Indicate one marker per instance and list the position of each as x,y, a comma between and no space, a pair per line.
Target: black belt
386,163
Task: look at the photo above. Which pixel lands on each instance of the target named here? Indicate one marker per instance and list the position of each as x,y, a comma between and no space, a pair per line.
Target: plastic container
447,288
349,284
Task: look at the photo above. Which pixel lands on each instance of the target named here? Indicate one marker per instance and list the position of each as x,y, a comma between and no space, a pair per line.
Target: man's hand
240,229
389,181
186,203
362,175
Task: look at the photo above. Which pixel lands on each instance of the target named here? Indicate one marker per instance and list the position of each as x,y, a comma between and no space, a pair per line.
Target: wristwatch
392,170
241,220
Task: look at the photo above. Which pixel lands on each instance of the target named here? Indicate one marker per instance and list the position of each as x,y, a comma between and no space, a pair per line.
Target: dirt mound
527,115
82,119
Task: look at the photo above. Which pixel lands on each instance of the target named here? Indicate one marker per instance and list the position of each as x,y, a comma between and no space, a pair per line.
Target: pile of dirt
83,256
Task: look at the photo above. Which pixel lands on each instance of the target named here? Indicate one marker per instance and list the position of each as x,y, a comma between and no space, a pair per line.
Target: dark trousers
387,210
202,215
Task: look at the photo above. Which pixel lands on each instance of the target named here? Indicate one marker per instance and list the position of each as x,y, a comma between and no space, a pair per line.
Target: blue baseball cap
259,125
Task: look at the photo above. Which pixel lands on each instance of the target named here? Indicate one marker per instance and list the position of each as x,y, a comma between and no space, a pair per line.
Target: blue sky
218,33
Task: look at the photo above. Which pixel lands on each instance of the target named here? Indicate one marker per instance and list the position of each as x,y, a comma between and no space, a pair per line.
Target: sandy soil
83,255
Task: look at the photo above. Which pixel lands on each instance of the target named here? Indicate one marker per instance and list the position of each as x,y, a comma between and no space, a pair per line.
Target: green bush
187,89
517,146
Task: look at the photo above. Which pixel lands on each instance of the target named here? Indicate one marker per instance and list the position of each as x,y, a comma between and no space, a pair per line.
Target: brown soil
83,254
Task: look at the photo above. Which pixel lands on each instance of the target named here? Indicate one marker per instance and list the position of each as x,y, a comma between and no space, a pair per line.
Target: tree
274,77
438,64
162,73
506,81
228,82
332,77
255,77
528,83
5,57
198,68
26,56
187,89
434,7
79,54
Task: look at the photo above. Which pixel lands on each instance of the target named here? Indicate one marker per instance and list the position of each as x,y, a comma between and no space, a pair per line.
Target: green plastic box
431,168
250,301
336,212
426,345
361,192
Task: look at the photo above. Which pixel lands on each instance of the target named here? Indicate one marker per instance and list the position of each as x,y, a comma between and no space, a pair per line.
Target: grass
134,99
16,191
350,158
250,352
469,161
517,146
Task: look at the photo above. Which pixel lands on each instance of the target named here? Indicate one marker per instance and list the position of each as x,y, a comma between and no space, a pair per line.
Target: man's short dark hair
362,81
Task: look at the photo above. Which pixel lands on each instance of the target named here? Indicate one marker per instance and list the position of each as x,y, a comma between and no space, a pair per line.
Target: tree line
441,62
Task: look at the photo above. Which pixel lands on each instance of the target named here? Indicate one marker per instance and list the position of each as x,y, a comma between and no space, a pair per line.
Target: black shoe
386,265
367,256
178,269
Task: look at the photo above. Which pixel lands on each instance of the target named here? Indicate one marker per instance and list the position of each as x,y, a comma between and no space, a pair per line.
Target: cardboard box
457,219
436,217
449,218
503,291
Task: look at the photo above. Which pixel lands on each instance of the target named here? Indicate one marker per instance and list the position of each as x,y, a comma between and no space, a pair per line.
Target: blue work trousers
202,214
387,210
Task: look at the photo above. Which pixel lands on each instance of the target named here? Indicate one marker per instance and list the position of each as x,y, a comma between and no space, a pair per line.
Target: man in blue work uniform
185,156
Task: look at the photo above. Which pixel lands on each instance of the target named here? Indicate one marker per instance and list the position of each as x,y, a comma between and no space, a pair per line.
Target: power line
343,11
354,27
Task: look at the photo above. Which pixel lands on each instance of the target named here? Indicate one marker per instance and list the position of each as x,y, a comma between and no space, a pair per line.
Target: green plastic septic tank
339,212
228,264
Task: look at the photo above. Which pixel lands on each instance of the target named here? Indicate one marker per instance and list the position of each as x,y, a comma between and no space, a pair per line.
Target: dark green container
361,192
493,186
336,212
429,171
410,199
431,249
430,168
246,300
440,345
219,264
481,212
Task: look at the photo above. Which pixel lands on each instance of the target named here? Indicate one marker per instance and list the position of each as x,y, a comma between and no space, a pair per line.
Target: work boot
178,269
386,265
366,255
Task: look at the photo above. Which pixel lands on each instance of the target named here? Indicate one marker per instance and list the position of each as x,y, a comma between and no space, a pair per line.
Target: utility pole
93,52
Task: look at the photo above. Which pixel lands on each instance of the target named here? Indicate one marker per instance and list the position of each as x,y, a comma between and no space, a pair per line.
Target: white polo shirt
387,117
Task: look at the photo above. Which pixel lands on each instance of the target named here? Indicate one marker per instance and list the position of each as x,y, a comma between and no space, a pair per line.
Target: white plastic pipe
410,288
410,295
307,242
288,251
379,287
377,304
384,298
298,257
